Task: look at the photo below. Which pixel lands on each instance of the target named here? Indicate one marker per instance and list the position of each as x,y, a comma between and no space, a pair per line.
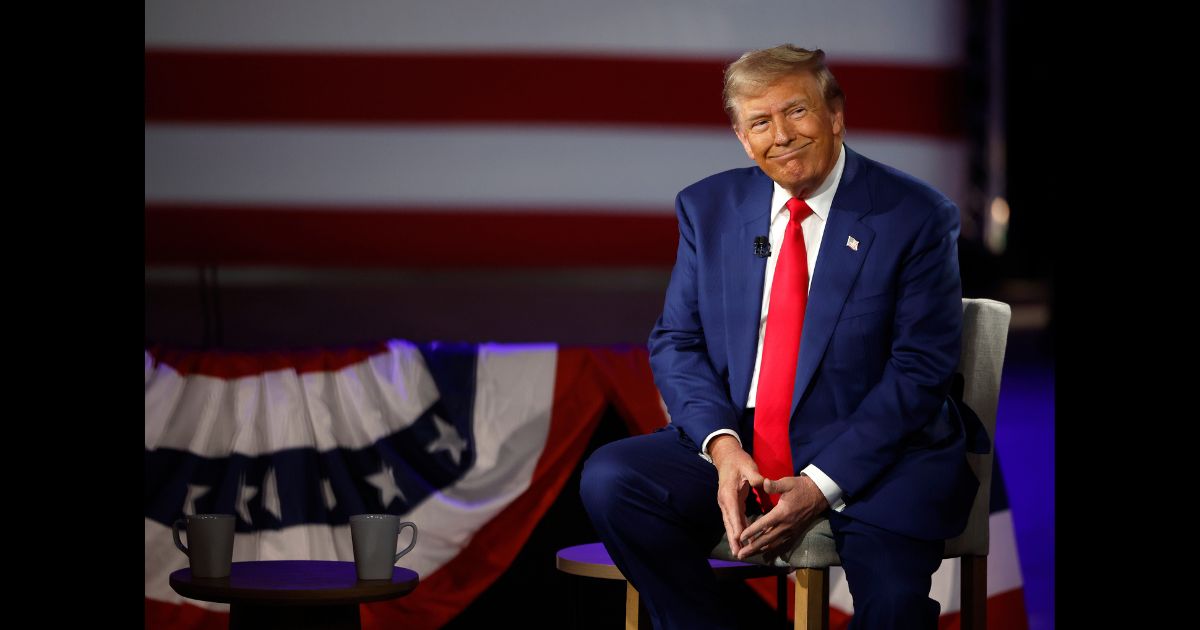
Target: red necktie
781,346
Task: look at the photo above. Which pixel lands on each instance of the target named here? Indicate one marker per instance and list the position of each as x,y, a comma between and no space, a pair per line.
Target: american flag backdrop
313,133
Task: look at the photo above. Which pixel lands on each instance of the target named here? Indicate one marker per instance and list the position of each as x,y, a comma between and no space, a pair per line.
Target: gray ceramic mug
210,543
374,537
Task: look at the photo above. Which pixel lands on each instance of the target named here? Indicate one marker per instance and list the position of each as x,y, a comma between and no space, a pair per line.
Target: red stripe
329,87
224,364
183,616
406,237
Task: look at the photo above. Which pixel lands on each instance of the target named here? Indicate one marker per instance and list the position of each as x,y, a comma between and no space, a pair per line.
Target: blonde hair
758,69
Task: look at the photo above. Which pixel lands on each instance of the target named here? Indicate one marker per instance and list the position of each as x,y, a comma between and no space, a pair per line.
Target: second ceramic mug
374,537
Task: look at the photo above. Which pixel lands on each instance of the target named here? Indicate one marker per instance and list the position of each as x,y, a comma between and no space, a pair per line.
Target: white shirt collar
820,201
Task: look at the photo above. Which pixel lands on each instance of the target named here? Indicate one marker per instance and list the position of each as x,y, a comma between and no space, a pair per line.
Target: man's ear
839,126
741,136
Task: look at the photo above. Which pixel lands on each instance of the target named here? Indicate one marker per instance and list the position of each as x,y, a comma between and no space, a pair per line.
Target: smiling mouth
789,153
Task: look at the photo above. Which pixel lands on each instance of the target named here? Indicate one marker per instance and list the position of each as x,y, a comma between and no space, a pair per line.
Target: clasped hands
800,501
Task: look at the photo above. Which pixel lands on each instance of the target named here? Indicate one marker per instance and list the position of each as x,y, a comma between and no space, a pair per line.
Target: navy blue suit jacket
880,345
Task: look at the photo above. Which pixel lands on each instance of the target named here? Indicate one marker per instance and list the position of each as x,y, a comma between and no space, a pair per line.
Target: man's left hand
800,501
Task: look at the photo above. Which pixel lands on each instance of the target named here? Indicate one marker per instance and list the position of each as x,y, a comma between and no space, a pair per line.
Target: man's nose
783,135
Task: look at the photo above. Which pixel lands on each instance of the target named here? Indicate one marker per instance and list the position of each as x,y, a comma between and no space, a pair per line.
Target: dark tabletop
294,582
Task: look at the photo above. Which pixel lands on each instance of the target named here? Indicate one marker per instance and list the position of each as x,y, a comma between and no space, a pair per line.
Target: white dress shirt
814,228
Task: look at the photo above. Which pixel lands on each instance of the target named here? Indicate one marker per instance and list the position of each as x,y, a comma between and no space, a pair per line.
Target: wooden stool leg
812,599
636,617
973,592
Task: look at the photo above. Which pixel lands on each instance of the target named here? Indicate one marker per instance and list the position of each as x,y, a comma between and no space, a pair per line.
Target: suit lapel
836,270
743,282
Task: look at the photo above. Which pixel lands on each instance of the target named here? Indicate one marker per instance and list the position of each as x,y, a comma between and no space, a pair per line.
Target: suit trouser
652,499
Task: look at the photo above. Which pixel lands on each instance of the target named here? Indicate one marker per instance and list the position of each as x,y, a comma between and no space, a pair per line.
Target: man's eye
758,124
798,112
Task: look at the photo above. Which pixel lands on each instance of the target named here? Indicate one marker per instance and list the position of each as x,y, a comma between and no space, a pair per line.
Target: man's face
790,132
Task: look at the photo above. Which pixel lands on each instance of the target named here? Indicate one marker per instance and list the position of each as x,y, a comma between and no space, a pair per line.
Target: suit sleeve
927,331
697,397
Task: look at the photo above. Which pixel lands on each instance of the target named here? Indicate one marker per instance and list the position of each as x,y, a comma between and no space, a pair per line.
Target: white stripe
940,163
923,31
513,397
1004,565
638,170
1003,570
264,413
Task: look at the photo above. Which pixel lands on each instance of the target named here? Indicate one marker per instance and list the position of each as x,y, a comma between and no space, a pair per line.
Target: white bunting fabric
470,442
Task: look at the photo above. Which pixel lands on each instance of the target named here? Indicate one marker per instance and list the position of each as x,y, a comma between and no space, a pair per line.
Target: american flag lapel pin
852,243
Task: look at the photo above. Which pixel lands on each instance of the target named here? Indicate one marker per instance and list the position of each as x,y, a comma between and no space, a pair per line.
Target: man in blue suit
865,431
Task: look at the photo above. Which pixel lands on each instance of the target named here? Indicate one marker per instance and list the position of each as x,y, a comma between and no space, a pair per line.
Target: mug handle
175,534
411,544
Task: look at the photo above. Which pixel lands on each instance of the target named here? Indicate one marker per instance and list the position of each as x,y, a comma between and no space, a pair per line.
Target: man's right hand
737,472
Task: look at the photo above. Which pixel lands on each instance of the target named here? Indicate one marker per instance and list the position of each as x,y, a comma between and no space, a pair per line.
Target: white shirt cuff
704,446
832,492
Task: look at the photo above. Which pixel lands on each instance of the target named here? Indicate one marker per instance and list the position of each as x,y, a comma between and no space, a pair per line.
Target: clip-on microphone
762,247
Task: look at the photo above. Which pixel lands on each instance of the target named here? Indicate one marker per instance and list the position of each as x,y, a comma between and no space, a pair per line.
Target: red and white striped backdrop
315,132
